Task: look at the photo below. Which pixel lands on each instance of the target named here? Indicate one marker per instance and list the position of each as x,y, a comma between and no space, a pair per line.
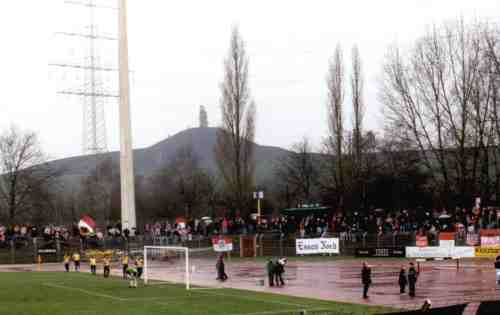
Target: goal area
179,265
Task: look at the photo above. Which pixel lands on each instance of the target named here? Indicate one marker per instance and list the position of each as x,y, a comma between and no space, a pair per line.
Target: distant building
203,117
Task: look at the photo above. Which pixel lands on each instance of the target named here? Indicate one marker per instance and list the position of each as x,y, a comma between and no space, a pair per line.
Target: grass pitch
50,293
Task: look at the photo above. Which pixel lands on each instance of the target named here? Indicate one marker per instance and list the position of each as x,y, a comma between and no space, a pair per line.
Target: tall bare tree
95,194
358,106
182,187
439,93
24,173
299,172
335,105
234,149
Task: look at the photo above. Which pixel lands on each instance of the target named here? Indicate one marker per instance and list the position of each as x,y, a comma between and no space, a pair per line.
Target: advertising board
380,252
440,252
487,252
222,244
307,246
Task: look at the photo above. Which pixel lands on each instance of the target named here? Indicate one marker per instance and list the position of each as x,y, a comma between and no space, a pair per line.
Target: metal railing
266,244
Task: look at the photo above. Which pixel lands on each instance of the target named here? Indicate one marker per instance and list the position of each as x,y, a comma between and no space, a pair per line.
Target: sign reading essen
307,246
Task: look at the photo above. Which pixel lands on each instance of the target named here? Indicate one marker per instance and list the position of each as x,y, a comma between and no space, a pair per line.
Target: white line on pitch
208,288
253,299
53,285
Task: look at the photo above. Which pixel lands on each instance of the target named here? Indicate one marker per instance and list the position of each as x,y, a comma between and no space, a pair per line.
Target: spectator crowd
375,221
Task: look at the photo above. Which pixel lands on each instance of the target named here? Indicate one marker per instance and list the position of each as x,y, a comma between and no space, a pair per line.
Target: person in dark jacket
279,271
221,272
366,279
402,280
412,279
271,266
497,269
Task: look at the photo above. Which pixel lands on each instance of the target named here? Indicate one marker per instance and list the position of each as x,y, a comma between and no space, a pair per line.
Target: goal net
179,265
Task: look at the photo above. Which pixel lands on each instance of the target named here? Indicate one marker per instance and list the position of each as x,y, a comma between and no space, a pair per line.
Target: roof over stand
305,211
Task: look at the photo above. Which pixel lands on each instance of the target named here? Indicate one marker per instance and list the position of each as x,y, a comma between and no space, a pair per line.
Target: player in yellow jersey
107,266
125,265
93,265
139,264
76,261
67,259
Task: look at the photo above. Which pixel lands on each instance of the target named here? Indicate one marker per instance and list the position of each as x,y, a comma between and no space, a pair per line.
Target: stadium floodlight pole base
184,250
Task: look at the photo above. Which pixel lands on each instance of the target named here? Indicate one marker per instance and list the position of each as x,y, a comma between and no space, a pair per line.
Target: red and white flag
86,225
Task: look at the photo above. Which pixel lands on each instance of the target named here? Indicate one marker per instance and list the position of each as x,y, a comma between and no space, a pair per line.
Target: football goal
179,265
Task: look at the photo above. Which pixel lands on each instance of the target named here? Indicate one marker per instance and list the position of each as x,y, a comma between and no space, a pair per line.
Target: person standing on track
221,272
67,259
279,270
403,280
76,260
271,267
93,265
107,266
125,265
497,269
366,279
412,279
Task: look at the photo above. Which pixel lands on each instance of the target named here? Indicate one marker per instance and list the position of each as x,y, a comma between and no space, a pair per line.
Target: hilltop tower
203,117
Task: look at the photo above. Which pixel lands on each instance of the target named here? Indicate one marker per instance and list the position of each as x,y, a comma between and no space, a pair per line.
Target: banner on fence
447,243
427,252
463,252
490,232
447,236
440,252
380,252
222,244
473,239
490,241
422,241
487,251
307,246
100,254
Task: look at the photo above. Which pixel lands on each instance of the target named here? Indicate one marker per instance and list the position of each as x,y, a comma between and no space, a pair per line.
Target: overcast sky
177,50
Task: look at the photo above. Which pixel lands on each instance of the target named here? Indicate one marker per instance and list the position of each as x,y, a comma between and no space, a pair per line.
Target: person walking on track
279,270
402,280
366,279
412,279
220,267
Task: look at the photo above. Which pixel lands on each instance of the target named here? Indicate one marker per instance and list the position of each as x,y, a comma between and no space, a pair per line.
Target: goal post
165,250
179,265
